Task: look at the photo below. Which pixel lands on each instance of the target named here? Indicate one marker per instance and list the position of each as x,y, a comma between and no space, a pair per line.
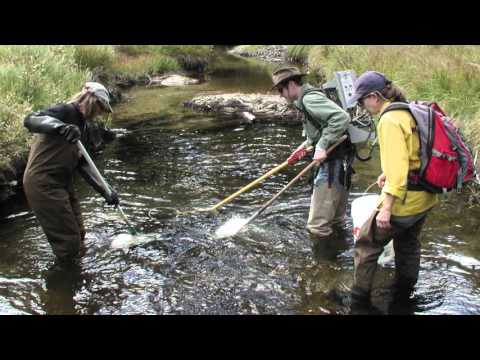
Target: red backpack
446,160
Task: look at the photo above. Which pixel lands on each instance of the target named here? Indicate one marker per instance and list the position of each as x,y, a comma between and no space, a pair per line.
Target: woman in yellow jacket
403,207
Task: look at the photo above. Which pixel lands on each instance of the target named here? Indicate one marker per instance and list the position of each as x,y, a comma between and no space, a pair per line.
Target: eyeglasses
362,99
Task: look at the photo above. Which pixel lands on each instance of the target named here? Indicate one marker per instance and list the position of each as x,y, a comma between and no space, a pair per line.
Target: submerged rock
262,106
171,80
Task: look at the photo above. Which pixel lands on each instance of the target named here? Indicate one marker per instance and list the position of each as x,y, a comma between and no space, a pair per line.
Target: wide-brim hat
285,73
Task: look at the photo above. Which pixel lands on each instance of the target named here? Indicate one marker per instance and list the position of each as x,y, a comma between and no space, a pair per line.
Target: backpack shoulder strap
320,90
396,106
304,109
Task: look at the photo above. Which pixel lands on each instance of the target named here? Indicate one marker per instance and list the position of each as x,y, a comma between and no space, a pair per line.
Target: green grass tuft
94,56
298,53
32,77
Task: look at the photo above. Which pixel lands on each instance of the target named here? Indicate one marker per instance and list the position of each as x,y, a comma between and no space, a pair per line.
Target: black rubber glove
112,199
71,133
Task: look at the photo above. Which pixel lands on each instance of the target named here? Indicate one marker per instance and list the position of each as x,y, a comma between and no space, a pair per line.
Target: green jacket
325,114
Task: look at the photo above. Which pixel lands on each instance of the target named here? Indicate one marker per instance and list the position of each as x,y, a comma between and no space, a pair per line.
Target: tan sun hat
285,73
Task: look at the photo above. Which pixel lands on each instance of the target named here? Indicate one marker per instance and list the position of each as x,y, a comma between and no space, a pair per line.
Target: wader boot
404,232
328,248
62,281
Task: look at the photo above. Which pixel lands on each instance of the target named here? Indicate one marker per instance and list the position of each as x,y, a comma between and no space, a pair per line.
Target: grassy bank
245,49
35,76
447,74
32,77
133,61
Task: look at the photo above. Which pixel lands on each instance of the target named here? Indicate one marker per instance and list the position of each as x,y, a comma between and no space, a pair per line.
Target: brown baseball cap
285,73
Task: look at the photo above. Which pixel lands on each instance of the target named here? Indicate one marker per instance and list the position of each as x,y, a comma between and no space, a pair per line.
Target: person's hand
383,219
112,198
71,133
381,181
320,155
297,155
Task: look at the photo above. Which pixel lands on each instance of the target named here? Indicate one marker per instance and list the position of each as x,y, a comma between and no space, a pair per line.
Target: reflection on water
273,267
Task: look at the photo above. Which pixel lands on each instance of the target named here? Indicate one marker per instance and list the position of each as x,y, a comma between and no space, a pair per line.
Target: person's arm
325,111
48,122
89,176
381,181
299,153
385,213
43,124
393,156
395,165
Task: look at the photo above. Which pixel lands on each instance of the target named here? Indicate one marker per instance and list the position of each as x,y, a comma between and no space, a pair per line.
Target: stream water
167,158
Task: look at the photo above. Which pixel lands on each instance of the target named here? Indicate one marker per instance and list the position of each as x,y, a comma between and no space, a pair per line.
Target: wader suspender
304,109
346,173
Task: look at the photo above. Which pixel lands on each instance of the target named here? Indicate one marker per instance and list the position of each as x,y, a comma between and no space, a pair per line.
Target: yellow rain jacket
399,153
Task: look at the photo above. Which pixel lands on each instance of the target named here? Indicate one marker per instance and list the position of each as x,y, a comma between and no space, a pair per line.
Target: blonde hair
88,102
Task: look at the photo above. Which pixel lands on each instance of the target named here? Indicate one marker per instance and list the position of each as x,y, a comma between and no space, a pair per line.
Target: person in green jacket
324,124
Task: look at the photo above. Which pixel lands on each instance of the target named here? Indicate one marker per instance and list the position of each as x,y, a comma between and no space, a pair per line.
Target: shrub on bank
131,50
13,136
39,75
298,53
163,57
202,51
94,56
142,65
32,77
189,57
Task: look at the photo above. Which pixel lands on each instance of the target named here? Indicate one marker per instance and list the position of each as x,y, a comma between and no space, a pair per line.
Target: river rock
171,80
262,106
270,53
11,177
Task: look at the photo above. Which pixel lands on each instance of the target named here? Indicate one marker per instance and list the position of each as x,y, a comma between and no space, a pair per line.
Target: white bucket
362,208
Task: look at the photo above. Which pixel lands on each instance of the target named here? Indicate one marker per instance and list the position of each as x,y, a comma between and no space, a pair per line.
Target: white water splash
125,241
230,228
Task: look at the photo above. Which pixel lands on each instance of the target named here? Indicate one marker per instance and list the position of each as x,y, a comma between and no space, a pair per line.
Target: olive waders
48,178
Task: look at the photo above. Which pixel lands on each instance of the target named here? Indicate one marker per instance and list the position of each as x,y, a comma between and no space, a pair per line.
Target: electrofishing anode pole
104,183
290,184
